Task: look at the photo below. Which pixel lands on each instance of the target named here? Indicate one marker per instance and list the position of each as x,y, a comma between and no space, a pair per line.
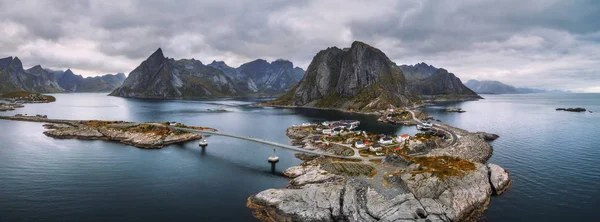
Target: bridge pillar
273,160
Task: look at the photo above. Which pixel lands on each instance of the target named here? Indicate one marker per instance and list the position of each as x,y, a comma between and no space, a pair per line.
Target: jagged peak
157,54
7,58
37,67
215,62
68,71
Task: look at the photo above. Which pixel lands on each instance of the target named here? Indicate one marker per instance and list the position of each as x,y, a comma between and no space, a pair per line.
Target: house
327,131
336,131
316,139
305,124
402,138
375,148
386,140
360,145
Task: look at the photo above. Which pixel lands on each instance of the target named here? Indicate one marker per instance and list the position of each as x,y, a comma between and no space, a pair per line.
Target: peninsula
438,175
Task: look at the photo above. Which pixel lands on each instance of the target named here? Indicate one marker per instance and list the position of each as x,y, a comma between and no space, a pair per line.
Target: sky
549,44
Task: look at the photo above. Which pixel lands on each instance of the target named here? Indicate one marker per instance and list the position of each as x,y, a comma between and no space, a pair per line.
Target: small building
375,148
336,131
316,139
327,131
305,124
402,138
386,140
360,145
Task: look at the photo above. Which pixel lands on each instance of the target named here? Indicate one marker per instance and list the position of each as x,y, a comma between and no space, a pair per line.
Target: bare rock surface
499,178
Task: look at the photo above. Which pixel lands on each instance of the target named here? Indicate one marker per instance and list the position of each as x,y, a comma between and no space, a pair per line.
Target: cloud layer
546,44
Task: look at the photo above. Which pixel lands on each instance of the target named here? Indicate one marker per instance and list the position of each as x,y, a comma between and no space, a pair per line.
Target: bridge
279,145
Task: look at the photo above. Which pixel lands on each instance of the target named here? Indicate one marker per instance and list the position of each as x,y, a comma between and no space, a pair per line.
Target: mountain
417,71
35,79
77,83
161,77
359,78
433,83
496,87
262,77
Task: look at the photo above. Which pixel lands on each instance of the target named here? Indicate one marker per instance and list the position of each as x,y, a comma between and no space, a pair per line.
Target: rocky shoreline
446,183
141,135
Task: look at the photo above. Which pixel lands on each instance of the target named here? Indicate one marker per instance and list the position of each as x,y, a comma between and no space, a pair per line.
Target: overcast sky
546,44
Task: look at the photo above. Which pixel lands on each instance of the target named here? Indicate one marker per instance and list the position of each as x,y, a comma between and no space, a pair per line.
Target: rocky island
141,135
440,175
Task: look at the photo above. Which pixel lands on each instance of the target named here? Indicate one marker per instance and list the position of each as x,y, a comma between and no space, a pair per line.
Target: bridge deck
297,149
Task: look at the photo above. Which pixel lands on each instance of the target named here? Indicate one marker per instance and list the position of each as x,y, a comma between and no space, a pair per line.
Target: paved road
437,126
297,149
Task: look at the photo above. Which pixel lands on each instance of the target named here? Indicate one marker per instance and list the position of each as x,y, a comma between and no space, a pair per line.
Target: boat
203,143
424,126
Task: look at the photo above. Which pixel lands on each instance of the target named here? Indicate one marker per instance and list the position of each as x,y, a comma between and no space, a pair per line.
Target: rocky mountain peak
360,78
4,62
16,63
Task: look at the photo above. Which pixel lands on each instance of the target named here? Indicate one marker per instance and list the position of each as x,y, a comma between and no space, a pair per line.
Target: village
342,138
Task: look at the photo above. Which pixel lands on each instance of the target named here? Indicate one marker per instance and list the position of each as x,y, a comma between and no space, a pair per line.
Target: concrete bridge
283,146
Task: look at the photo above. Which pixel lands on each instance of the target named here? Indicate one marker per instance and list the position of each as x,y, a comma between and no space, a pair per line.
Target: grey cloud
513,41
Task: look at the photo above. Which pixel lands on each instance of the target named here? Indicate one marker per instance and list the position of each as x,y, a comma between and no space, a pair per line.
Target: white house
387,140
402,138
327,131
360,145
375,148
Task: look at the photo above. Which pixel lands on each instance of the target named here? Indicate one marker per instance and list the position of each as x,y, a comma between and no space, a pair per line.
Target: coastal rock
578,109
469,146
488,136
314,175
499,178
455,197
297,171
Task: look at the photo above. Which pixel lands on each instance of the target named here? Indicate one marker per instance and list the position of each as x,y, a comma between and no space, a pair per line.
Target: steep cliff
360,78
36,79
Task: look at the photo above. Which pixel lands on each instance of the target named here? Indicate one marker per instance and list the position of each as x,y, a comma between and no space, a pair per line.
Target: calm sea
552,157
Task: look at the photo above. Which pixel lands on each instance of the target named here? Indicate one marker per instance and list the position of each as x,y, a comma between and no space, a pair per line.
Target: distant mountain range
496,87
362,78
38,79
162,77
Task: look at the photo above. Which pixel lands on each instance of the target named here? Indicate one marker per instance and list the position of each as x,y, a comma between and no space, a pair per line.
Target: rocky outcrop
413,196
360,78
499,178
469,146
141,135
436,84
14,77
